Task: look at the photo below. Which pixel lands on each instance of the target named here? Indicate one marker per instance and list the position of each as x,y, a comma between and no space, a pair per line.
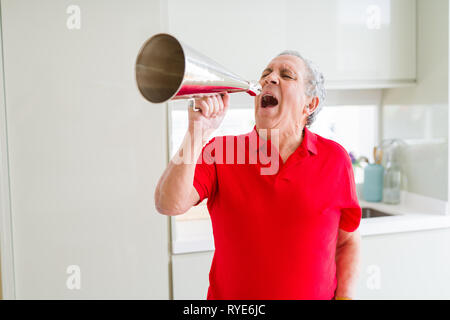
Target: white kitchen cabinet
362,41
409,265
85,151
356,43
190,275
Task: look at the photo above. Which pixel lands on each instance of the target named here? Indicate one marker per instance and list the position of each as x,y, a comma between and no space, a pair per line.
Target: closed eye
287,73
266,72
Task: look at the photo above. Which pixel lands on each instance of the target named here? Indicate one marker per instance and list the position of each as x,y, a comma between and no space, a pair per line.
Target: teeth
267,97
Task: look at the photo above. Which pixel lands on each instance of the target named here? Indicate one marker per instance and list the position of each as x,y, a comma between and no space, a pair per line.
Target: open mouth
268,101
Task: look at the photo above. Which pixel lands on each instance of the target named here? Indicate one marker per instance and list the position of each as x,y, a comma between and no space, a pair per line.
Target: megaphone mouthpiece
254,89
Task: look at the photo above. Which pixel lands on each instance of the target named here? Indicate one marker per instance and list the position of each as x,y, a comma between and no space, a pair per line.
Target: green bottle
373,179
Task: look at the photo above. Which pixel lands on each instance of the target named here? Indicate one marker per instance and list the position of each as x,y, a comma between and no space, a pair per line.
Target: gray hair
314,80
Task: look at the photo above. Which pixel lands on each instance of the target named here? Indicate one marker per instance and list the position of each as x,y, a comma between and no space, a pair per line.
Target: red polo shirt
275,234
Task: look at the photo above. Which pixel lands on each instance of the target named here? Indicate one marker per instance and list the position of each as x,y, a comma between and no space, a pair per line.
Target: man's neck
288,140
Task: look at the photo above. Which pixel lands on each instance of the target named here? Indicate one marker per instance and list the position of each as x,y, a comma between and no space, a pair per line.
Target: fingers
213,105
205,108
216,104
221,105
225,99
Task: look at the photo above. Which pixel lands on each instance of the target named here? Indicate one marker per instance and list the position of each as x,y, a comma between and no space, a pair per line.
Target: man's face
282,102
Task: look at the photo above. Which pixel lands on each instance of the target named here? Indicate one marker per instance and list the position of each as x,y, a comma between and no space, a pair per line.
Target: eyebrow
287,70
284,69
267,69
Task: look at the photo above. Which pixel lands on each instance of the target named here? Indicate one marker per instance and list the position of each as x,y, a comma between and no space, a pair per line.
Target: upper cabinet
356,43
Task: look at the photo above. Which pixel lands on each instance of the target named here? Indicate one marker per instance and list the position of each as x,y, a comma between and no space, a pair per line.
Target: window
353,127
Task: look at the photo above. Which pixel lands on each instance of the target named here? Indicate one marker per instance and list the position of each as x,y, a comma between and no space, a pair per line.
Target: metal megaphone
168,69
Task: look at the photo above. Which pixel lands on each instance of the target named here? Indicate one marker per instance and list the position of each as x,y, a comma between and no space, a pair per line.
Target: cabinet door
352,41
190,275
85,151
407,265
363,40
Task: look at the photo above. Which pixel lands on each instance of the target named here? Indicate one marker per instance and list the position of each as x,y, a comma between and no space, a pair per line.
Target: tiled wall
419,115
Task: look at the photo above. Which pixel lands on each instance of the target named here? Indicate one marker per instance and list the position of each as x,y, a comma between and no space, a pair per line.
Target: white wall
420,113
85,151
7,267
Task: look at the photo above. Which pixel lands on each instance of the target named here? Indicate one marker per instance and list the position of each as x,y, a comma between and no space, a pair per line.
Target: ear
312,105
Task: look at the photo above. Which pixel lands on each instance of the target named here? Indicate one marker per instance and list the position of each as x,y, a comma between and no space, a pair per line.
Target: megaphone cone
166,70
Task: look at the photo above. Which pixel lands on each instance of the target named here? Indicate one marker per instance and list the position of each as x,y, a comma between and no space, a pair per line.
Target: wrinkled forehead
291,62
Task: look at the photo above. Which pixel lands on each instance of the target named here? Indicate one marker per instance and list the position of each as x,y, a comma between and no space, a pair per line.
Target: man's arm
175,193
347,263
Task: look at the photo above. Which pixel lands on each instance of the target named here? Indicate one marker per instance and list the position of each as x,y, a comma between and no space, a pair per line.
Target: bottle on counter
392,179
373,178
358,172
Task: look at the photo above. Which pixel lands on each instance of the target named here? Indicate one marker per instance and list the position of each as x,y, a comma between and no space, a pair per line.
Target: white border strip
6,235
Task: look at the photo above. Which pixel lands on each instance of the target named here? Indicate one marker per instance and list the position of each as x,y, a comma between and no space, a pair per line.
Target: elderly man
290,234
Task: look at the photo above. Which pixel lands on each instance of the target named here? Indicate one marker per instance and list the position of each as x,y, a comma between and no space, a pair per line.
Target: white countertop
414,213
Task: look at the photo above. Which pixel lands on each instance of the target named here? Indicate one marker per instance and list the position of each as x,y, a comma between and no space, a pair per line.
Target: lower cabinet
190,275
410,265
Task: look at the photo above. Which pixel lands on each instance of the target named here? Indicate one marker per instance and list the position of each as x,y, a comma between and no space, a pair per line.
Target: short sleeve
205,177
350,208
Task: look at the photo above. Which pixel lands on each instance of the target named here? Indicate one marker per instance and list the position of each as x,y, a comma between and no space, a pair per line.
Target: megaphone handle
191,104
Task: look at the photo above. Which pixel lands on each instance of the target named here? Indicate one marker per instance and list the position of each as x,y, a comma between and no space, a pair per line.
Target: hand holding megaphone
207,112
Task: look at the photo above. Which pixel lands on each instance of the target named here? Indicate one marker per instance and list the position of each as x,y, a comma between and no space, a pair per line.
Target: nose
271,78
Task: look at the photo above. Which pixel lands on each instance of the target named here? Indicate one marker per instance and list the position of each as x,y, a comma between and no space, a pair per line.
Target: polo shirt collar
309,141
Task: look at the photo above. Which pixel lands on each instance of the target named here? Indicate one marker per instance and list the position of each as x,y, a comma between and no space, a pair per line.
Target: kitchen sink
373,213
